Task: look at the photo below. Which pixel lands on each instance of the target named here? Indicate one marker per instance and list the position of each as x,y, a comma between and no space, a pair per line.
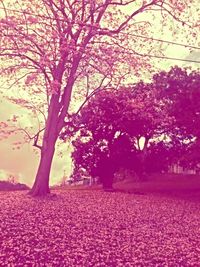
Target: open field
96,228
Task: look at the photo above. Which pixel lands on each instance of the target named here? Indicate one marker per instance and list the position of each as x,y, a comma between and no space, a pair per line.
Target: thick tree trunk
142,158
41,184
107,181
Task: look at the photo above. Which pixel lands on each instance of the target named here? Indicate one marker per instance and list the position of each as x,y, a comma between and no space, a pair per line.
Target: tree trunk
142,172
41,184
107,181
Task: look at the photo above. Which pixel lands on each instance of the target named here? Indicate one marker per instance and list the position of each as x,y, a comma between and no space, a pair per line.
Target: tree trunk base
38,191
109,189
43,196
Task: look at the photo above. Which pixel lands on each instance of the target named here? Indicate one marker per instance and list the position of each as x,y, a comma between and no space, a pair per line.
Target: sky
23,162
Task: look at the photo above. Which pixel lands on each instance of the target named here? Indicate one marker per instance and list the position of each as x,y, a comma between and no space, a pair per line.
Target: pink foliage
30,78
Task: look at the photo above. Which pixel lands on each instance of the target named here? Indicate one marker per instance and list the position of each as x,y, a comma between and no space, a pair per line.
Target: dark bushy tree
113,123
181,90
165,113
102,160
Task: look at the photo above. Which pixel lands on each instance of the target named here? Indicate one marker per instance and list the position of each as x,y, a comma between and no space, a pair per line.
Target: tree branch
124,23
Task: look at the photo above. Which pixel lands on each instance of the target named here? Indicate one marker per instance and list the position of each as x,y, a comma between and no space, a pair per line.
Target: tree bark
107,182
41,184
142,172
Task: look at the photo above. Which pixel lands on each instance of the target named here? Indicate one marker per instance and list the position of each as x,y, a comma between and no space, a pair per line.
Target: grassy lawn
96,228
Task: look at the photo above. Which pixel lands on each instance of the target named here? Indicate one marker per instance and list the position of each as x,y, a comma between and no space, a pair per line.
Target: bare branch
97,90
35,144
164,9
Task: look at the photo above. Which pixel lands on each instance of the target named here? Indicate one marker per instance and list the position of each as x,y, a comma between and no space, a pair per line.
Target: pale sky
23,162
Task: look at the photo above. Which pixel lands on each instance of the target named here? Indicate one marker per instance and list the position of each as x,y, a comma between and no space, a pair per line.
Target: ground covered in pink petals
94,228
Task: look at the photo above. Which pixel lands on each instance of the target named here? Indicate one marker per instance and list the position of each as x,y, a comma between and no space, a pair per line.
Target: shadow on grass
175,186
185,187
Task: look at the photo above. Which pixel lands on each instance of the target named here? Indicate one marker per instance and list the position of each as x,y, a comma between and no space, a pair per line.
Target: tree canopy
113,124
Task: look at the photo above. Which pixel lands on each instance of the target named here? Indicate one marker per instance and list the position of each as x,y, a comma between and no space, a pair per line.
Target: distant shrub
8,186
